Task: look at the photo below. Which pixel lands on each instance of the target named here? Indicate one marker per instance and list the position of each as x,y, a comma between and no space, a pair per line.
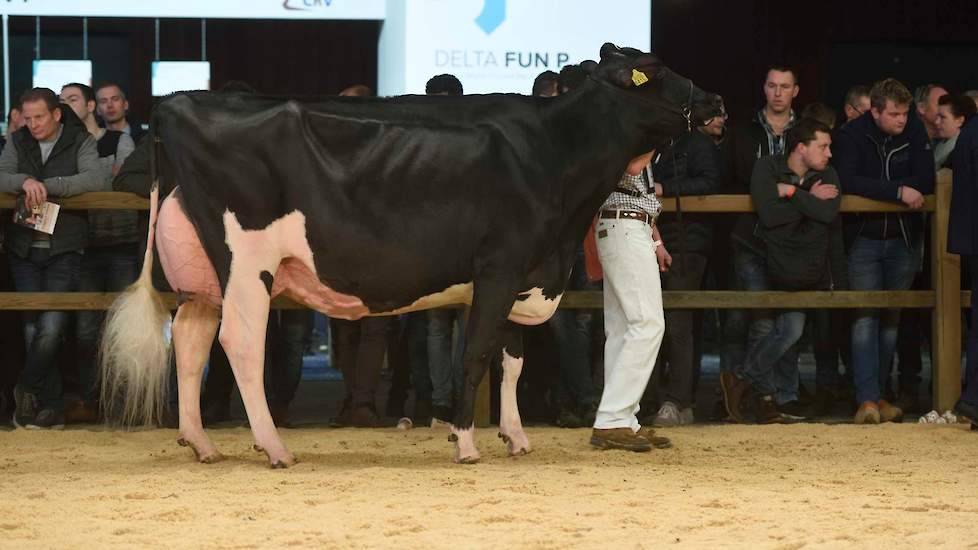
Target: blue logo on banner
493,14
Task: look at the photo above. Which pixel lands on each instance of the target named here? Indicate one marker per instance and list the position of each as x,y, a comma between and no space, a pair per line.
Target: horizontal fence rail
946,298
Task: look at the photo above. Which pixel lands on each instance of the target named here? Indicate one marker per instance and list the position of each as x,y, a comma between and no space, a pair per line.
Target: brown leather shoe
734,389
889,412
80,412
657,441
620,438
868,413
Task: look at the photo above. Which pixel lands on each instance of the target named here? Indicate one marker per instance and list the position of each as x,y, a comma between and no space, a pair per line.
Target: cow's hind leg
492,301
510,425
243,327
194,328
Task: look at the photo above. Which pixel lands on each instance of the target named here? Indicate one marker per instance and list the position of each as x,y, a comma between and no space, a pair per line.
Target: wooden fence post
946,325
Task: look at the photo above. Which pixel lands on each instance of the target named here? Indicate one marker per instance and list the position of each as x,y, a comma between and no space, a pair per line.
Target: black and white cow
357,207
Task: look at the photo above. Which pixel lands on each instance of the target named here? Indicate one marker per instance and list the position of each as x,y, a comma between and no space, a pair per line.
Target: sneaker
794,411
686,416
440,424
889,412
47,419
25,407
668,415
767,411
734,389
620,438
868,413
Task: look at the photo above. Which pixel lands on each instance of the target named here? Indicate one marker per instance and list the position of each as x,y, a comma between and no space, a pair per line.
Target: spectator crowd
883,143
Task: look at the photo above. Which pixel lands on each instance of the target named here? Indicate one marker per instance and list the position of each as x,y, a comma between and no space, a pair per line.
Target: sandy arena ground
803,486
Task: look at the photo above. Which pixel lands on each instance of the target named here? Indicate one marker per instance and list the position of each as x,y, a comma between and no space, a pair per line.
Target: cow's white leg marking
510,425
193,333
243,325
465,451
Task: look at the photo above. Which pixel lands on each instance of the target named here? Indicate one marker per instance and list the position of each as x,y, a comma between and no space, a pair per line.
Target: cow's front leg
243,327
510,425
491,303
194,328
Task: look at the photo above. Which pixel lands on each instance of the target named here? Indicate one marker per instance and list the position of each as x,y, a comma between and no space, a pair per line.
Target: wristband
791,192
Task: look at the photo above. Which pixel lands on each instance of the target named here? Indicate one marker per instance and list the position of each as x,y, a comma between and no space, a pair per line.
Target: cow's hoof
467,460
516,446
204,457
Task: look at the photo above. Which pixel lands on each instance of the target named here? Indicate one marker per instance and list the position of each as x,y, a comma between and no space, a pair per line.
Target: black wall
724,45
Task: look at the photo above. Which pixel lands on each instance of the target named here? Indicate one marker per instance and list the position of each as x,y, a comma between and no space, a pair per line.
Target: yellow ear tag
638,77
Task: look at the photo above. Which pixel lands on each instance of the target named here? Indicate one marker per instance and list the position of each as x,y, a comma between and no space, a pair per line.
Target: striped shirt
641,196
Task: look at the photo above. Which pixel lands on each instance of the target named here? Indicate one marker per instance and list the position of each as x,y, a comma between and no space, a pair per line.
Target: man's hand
911,197
657,188
35,191
784,189
823,191
663,257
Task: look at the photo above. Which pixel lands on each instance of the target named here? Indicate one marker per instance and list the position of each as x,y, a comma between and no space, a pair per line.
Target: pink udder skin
189,270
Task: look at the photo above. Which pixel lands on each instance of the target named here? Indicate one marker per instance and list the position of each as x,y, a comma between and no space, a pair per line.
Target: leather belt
627,214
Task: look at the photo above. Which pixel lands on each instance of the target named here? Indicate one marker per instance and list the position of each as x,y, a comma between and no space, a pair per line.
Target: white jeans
633,318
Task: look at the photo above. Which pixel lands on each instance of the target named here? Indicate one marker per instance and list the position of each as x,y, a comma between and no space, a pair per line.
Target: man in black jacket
692,167
883,155
52,156
764,135
797,200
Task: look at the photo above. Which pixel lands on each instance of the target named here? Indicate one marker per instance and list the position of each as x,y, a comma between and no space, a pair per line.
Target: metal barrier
945,299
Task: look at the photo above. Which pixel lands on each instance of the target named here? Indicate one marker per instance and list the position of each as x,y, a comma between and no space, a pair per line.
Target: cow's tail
134,356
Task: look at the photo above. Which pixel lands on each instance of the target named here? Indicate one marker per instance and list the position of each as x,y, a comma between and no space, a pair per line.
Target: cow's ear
609,50
623,77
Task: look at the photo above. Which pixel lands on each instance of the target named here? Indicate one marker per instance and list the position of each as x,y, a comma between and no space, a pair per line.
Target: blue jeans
44,330
572,336
444,366
970,393
751,273
878,265
103,269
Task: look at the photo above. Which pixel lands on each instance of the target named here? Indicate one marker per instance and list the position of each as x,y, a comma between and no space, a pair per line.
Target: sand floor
803,486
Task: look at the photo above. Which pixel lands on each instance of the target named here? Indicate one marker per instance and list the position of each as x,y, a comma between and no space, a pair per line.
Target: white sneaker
667,416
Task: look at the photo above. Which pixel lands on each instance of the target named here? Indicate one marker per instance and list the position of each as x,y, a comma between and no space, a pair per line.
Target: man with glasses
857,102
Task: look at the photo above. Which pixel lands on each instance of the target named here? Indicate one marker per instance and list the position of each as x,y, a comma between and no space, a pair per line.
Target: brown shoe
620,438
80,412
734,389
657,441
889,412
868,413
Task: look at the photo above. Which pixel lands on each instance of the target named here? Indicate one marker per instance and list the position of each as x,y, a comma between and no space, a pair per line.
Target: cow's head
644,75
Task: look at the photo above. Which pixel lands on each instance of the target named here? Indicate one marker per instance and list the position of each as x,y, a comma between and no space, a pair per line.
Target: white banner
500,45
210,9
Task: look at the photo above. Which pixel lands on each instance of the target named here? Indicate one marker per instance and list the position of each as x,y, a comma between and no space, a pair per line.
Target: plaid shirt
644,199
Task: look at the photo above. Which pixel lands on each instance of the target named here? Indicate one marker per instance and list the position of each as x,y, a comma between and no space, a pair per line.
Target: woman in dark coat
963,240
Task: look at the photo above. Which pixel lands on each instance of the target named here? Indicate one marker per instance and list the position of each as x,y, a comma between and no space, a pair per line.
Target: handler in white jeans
631,254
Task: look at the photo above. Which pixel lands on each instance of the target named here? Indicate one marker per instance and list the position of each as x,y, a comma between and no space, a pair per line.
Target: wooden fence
946,298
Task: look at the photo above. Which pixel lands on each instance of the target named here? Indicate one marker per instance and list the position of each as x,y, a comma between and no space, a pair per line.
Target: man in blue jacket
884,155
962,239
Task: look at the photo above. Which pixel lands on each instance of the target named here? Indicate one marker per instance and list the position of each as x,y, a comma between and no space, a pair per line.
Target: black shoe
47,419
794,411
909,400
443,413
25,407
967,411
567,418
767,411
587,413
